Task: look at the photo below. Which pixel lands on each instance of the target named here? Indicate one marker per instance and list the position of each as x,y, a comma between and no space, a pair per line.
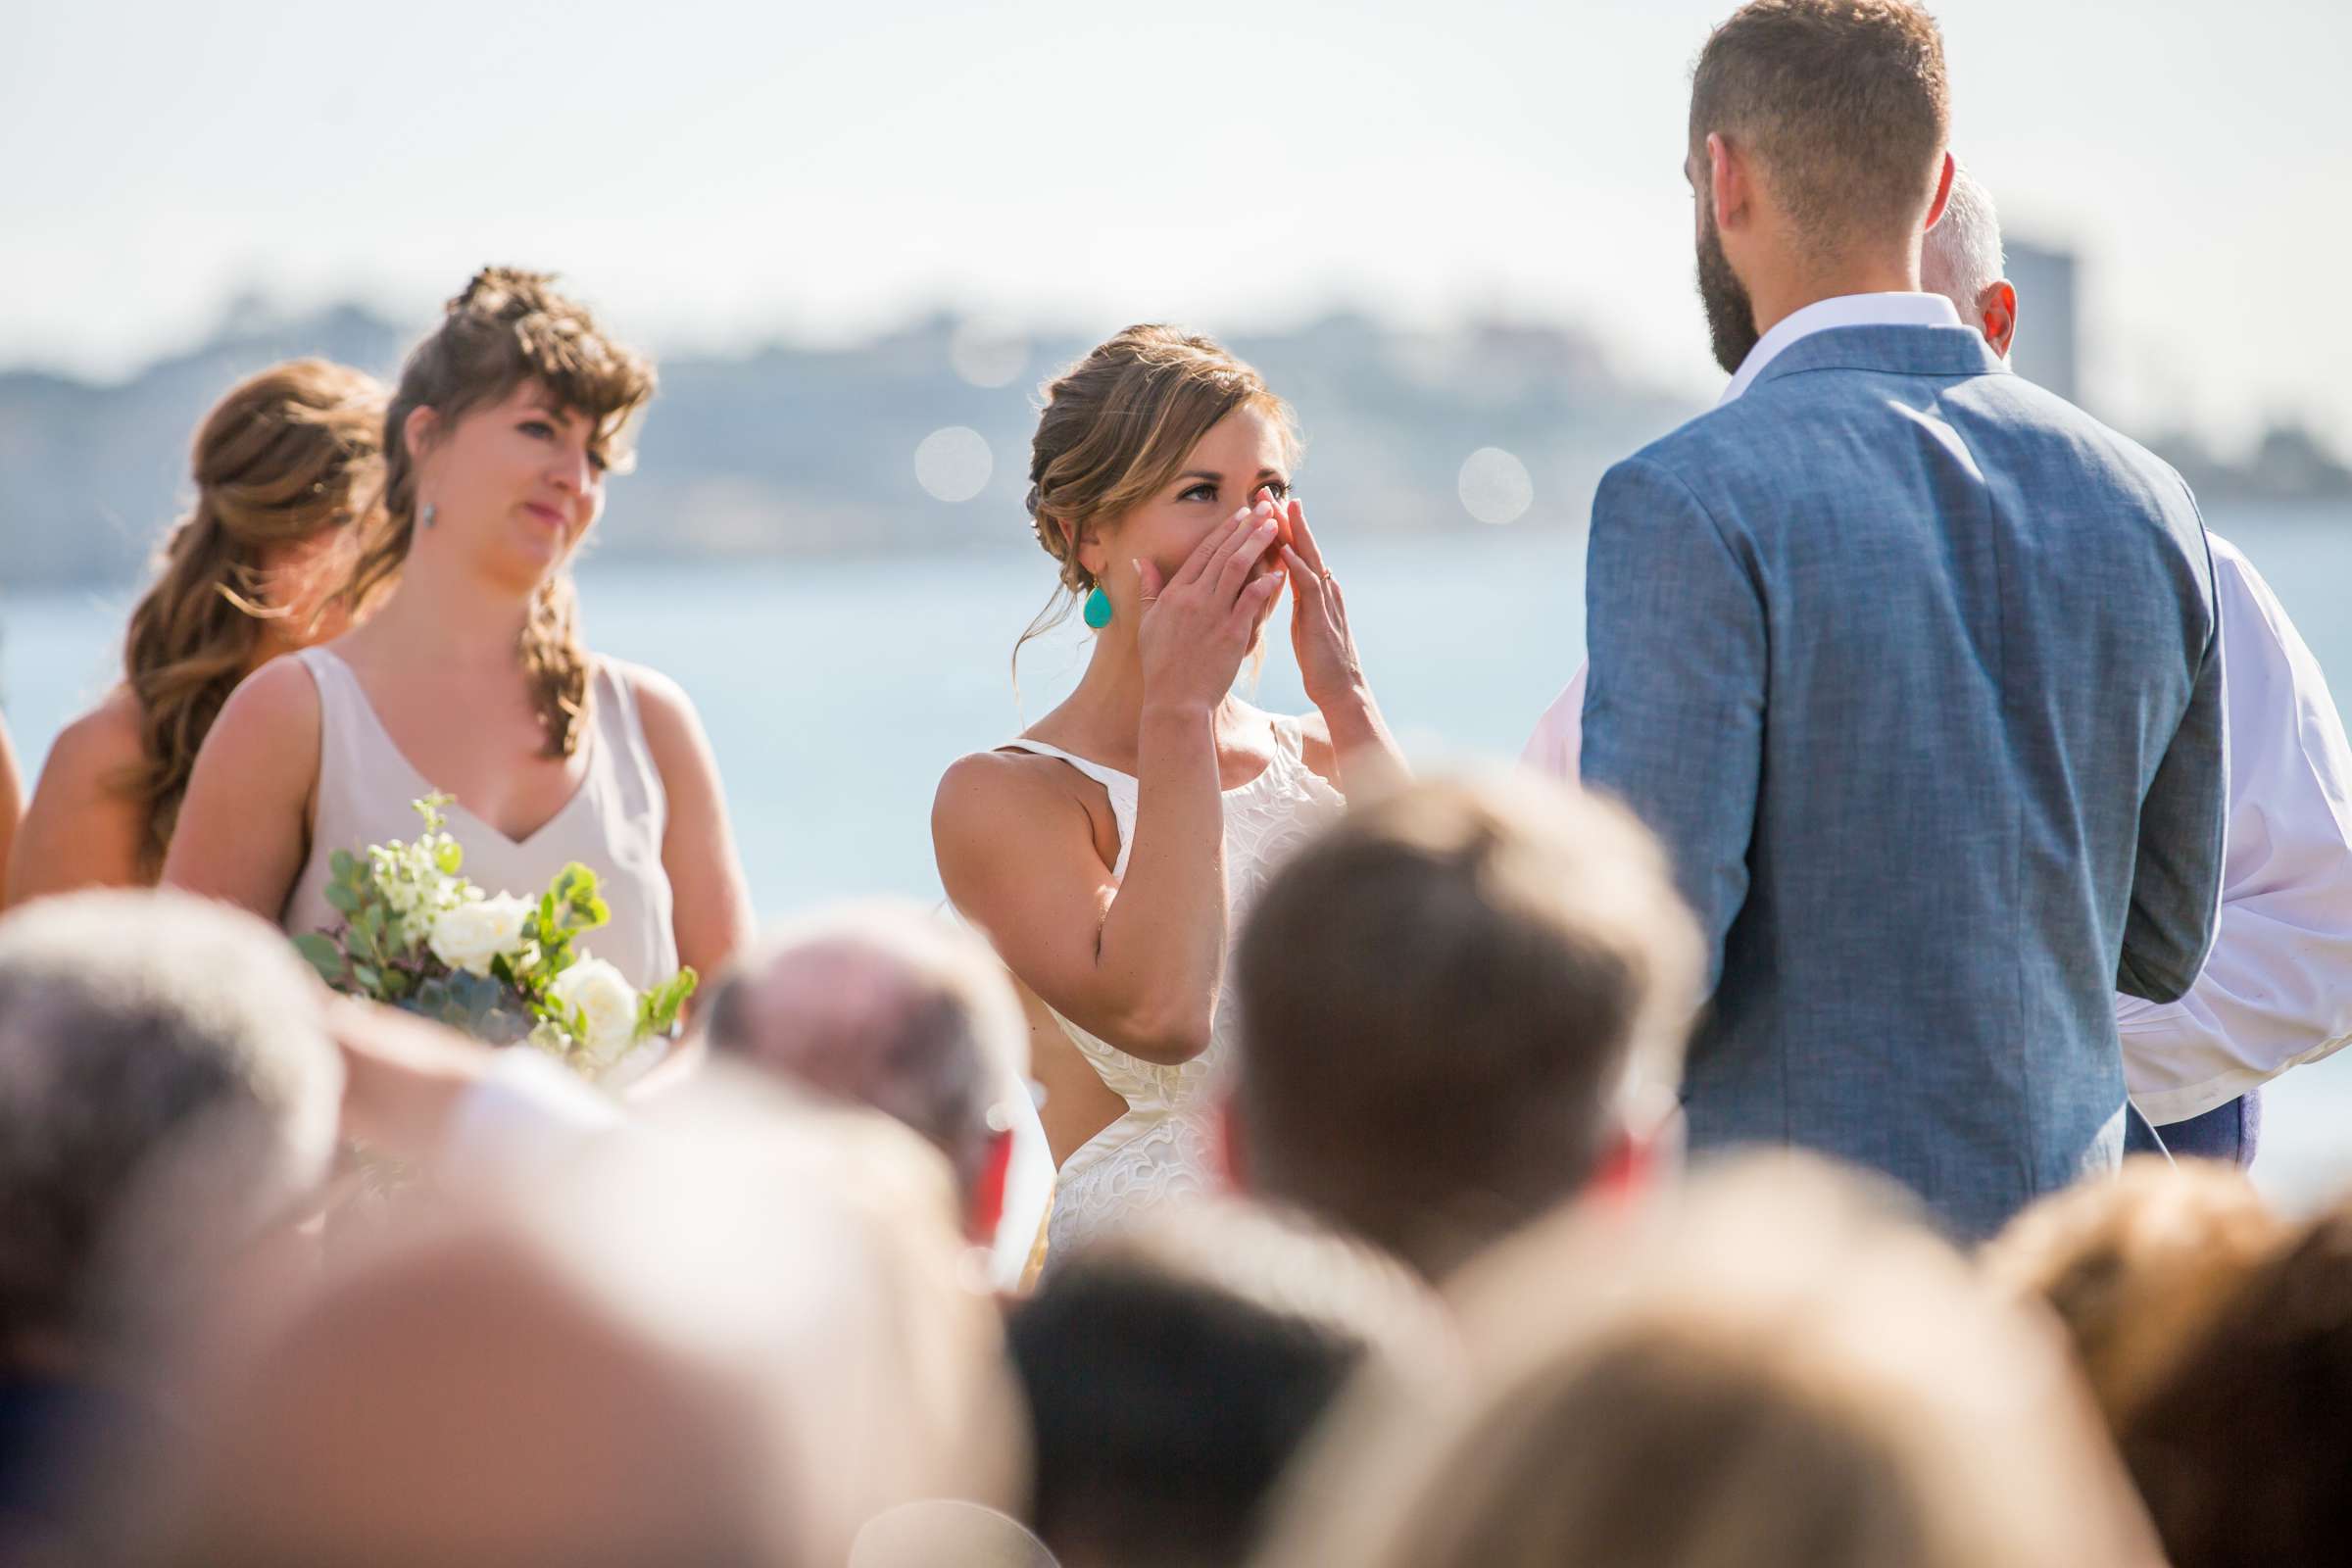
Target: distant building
2048,347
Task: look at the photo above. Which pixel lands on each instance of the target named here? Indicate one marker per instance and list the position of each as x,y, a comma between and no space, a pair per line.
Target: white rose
468,935
593,987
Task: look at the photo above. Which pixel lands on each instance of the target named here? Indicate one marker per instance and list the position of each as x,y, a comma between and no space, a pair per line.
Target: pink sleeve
1560,732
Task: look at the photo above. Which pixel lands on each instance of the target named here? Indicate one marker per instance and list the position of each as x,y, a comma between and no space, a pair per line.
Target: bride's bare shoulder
991,782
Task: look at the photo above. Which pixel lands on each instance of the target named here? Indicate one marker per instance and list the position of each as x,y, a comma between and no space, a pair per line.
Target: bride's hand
1196,626
1327,664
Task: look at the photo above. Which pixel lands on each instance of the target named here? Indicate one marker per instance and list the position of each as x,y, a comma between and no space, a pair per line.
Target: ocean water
836,690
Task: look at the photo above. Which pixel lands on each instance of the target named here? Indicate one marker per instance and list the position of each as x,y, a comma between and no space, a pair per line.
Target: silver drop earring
424,518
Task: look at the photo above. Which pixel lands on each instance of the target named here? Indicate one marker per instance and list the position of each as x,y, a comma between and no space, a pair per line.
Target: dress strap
620,734
1111,778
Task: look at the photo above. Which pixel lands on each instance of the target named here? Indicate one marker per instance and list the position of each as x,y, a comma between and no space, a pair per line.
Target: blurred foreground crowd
1462,1305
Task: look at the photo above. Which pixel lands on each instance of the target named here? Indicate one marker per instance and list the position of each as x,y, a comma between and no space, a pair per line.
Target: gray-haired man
2274,990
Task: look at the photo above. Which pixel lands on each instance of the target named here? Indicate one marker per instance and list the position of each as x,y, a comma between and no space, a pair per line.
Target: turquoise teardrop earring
1097,609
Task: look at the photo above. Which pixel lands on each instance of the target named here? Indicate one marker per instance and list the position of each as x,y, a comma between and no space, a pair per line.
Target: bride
1111,850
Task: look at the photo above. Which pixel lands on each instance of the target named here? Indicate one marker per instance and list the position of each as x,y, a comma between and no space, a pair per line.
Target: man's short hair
154,1049
1844,103
2137,1267
2240,1451
1173,1370
1445,1002
1961,257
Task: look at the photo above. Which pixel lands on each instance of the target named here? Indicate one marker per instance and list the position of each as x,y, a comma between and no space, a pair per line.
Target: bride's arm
1132,963
244,826
1362,757
1138,959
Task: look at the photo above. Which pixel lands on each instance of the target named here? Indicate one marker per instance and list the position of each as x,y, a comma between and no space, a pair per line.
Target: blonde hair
1117,425
508,327
287,455
2137,1267
1786,1374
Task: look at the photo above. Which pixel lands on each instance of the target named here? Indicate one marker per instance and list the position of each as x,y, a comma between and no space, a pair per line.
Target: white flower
468,935
593,987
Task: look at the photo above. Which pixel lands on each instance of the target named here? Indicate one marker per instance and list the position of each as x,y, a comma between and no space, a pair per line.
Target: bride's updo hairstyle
510,326
1116,426
288,456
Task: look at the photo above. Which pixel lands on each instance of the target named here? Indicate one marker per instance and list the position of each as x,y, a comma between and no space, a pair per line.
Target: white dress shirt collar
1842,310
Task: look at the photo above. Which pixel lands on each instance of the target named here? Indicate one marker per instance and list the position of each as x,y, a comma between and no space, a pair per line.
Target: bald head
883,1005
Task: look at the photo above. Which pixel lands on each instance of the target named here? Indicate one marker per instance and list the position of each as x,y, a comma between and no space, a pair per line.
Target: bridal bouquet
417,934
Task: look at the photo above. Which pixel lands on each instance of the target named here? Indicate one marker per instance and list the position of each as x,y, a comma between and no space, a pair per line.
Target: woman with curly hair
289,470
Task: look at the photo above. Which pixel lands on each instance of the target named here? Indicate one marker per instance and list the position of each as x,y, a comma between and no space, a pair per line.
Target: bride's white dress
1162,1151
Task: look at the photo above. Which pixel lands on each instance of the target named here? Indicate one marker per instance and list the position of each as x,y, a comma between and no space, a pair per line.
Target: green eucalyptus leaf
342,897
343,865
323,955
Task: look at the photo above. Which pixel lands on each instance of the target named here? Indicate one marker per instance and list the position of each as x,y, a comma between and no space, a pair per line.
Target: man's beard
1731,318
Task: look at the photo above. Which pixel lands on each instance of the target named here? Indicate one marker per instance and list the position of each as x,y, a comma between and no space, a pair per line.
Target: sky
716,176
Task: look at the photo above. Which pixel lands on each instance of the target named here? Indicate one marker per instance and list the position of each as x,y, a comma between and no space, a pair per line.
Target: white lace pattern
1162,1151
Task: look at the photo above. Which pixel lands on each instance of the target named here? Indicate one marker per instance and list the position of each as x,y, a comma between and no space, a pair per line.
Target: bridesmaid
471,677
288,471
1112,851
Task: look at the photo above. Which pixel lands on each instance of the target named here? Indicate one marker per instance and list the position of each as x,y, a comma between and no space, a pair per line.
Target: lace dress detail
1162,1151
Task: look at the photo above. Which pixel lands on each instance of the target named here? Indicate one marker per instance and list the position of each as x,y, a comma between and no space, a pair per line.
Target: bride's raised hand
1196,625
1327,664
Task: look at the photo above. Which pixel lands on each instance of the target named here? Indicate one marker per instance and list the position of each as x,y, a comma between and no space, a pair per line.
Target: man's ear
1996,313
987,1210
1642,1151
1233,1148
1944,193
1729,181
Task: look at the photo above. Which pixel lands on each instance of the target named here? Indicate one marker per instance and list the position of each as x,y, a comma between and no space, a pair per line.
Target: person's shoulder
2247,599
662,704
1315,743
980,784
102,742
281,695
1695,452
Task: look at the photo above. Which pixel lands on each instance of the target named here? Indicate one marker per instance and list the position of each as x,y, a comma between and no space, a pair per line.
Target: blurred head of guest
289,477
1815,156
2240,1449
1786,1373
1962,260
166,1098
156,1051
731,1337
2137,1267
886,1007
1462,1005
1173,1371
